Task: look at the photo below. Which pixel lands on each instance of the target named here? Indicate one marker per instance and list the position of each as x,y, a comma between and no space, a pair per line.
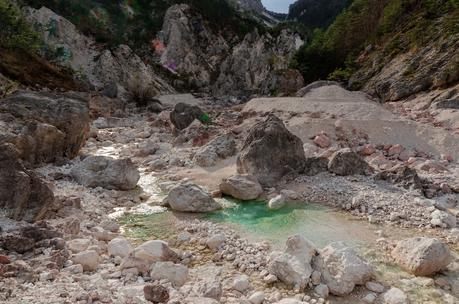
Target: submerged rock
242,186
277,202
345,162
342,269
422,256
188,197
106,172
270,151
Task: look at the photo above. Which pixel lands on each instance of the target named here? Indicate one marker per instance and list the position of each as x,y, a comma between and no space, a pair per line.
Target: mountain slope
390,48
316,13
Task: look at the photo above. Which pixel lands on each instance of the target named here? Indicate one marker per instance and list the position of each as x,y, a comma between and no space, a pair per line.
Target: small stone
395,296
88,259
323,141
321,290
156,293
119,246
216,241
375,287
270,278
257,297
369,298
241,283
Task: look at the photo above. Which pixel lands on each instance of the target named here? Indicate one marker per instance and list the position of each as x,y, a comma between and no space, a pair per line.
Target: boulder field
85,221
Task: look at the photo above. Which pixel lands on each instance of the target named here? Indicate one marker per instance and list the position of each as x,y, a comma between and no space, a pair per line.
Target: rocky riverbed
125,221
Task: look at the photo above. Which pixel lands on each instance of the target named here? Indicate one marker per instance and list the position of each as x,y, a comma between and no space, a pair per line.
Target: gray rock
270,151
244,187
143,256
395,296
44,126
422,256
106,172
292,266
345,162
342,269
175,273
188,197
183,115
315,165
23,195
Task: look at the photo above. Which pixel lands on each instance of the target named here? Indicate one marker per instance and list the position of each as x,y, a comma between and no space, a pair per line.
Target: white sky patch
278,6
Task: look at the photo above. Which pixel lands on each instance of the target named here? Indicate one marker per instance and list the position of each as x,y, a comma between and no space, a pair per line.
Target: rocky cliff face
431,66
224,66
98,67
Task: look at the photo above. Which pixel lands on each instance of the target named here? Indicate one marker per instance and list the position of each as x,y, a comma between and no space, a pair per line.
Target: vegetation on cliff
396,25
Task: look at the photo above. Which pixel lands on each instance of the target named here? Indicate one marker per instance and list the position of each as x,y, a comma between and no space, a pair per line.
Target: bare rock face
23,195
183,115
342,269
422,256
106,172
345,162
270,151
243,187
44,126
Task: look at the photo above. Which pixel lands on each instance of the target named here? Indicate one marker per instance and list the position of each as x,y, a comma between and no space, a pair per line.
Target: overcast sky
279,6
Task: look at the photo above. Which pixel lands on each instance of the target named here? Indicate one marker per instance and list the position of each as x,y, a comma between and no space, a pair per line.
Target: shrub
15,33
139,93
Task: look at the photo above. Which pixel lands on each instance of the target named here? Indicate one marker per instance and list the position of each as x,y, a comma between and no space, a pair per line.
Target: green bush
15,32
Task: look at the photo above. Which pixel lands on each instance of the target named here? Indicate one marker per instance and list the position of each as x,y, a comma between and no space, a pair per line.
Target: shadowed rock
270,151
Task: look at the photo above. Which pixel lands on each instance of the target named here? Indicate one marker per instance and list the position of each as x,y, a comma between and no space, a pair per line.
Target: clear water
319,224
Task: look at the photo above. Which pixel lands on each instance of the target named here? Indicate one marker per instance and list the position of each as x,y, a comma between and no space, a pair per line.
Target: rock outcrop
270,151
422,256
106,172
44,126
226,65
101,68
23,195
188,197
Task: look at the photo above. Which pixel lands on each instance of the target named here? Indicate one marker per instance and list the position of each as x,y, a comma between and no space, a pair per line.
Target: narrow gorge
214,151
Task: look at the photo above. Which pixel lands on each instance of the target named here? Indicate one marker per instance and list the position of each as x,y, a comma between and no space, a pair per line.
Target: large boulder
270,151
346,162
106,172
184,114
188,197
145,255
44,126
422,256
293,265
23,195
341,268
244,187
